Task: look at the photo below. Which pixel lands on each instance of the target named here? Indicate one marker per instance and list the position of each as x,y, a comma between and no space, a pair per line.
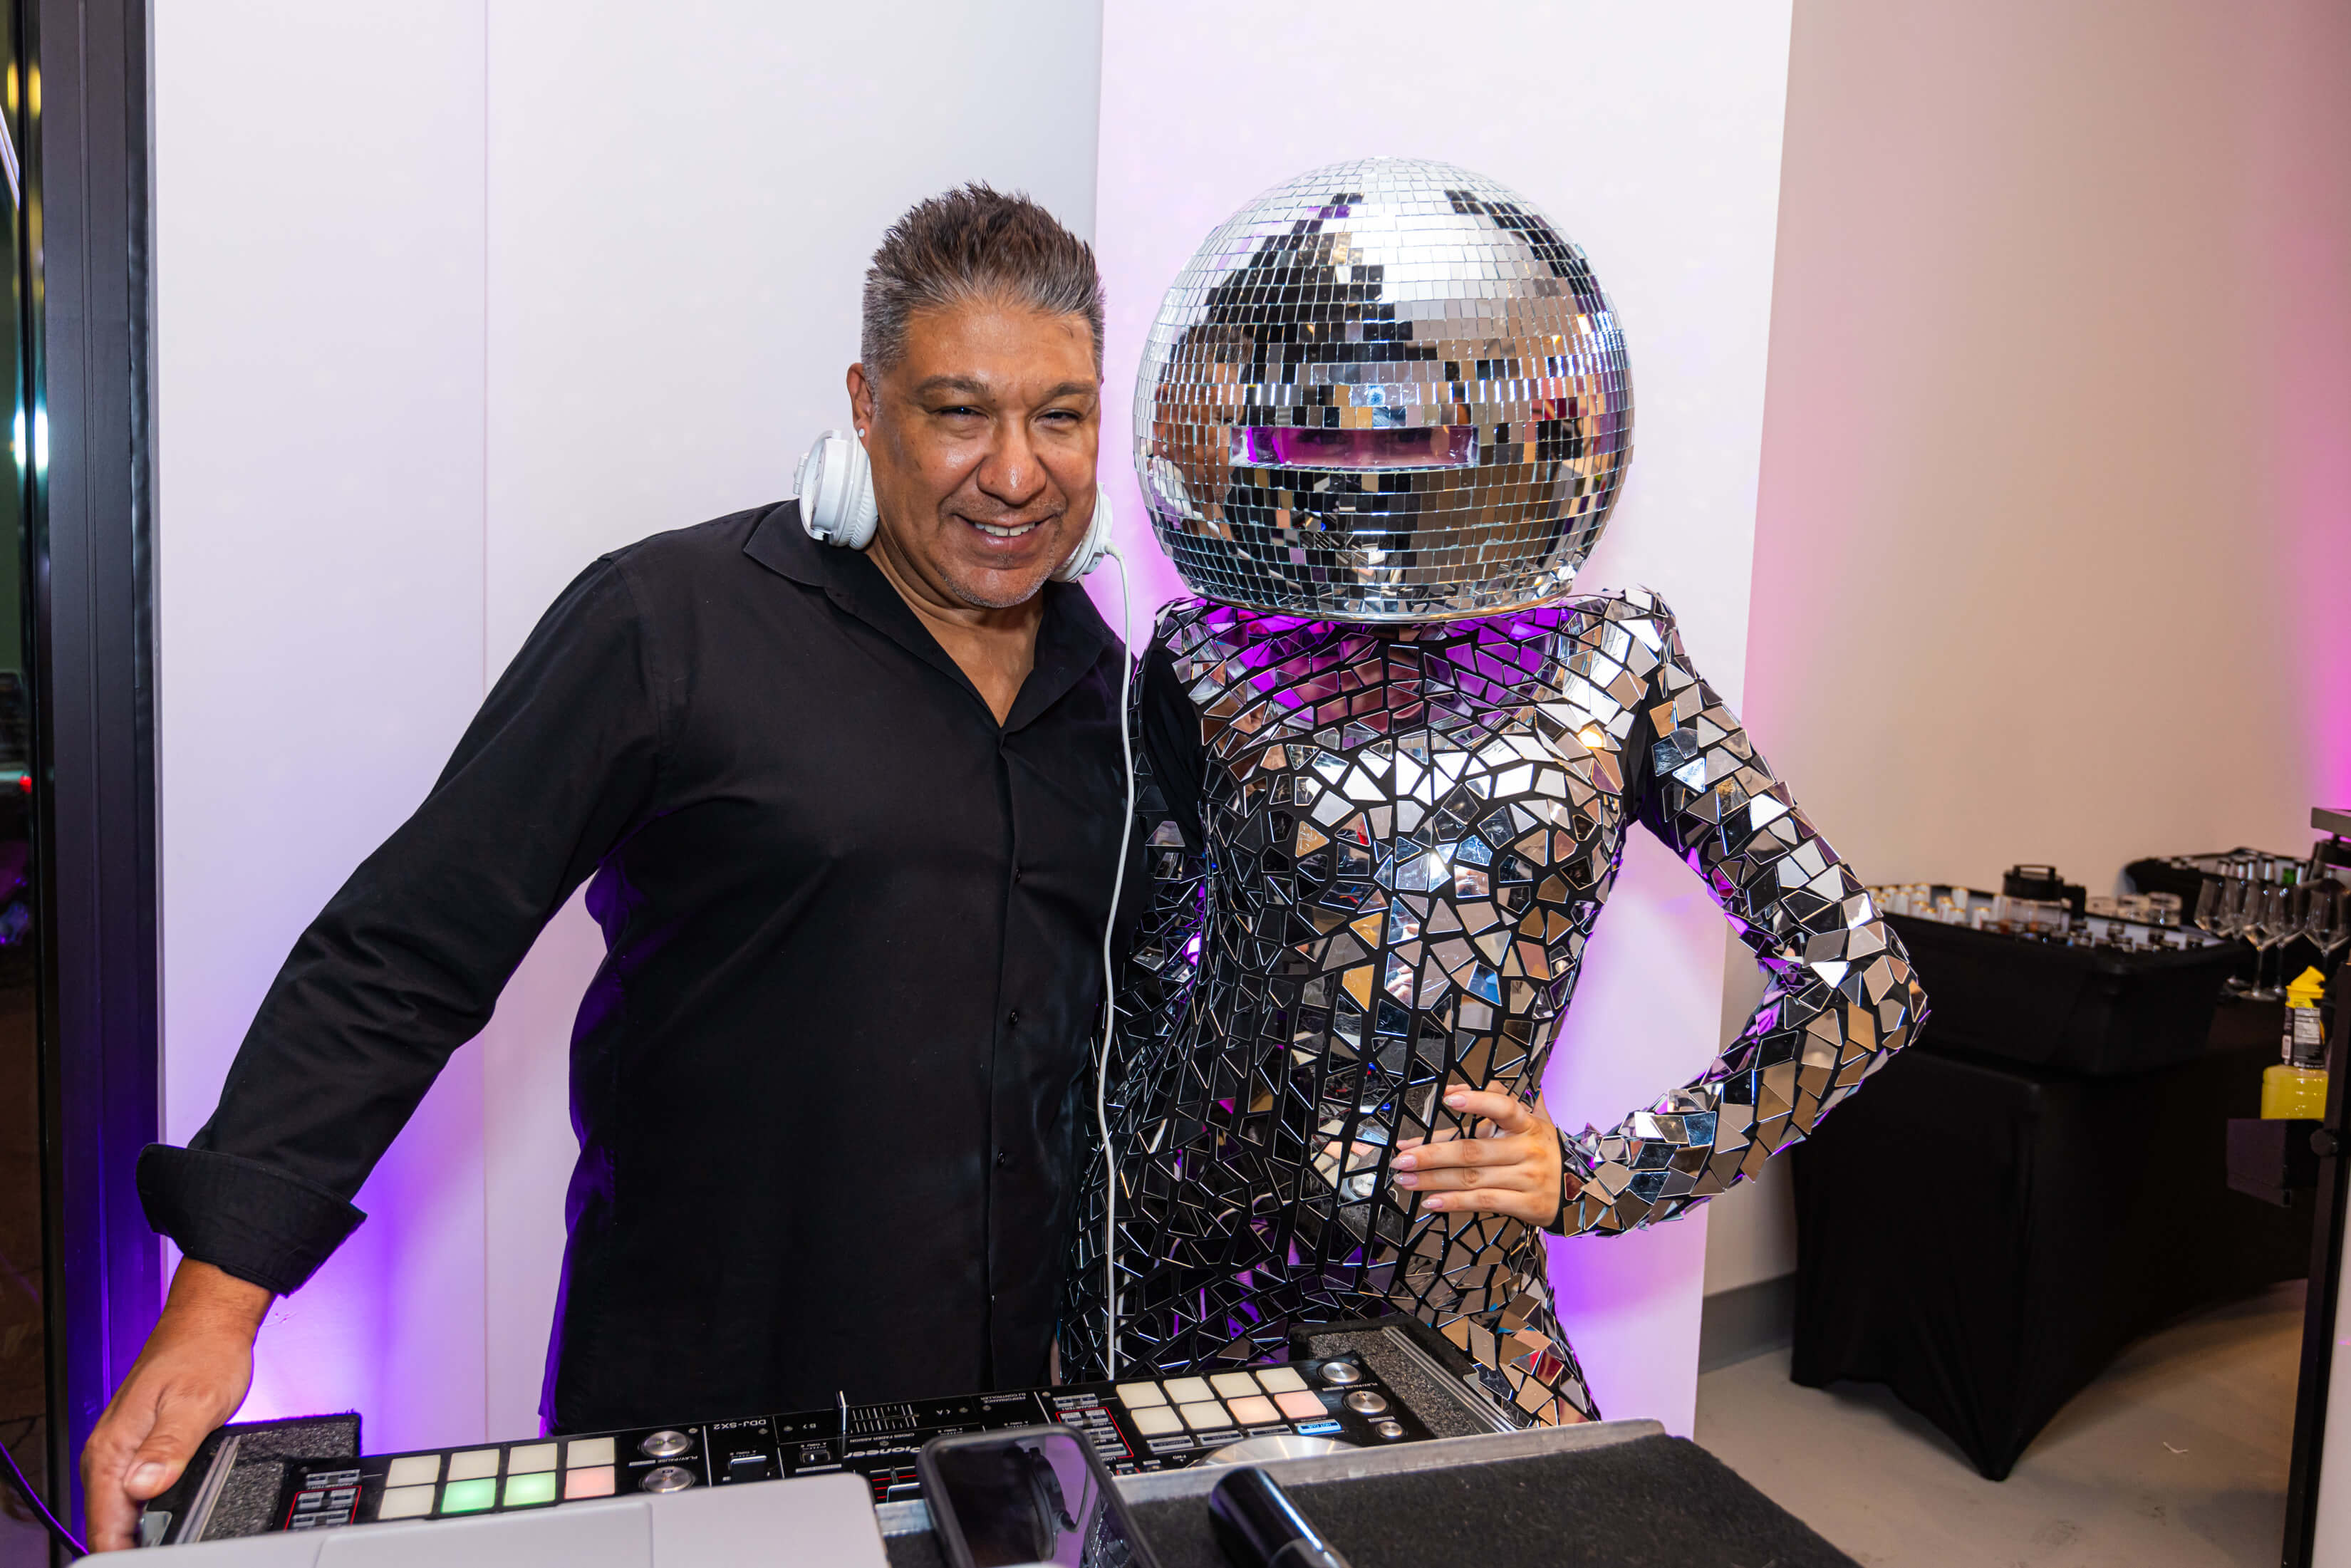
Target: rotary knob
666,1446
666,1478
1390,1428
1366,1402
1340,1374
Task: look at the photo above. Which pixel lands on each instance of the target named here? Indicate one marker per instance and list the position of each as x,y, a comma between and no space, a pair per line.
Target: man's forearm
191,1377
204,1298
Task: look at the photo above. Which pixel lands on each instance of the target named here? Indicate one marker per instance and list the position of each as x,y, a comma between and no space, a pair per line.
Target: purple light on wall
2310,439
2297,208
1643,1021
391,1326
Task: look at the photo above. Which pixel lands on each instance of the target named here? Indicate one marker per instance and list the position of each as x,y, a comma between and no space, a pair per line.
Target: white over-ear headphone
835,485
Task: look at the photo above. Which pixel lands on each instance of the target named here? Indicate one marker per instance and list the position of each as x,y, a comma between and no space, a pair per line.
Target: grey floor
2178,1455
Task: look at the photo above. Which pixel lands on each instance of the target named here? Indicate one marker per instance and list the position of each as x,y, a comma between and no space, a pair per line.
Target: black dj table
1984,1236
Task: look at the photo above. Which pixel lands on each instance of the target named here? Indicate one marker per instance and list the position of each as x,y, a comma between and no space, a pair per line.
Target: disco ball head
1384,391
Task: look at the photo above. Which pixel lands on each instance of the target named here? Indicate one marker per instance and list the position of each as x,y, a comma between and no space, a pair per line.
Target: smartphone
1024,1495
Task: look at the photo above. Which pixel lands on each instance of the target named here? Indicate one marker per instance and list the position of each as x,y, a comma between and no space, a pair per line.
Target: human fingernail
1432,1203
1405,1178
1456,1101
144,1477
1405,1162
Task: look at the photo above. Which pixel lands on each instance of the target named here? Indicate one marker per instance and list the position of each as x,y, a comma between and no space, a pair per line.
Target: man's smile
1008,530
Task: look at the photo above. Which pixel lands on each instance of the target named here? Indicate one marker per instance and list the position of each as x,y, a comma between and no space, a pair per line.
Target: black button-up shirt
827,1080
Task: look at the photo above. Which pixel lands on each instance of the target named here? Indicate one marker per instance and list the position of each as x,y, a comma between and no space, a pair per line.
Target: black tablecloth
1983,1237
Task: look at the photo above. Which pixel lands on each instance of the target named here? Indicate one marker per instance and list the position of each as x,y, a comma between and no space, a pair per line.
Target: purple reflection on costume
1288,446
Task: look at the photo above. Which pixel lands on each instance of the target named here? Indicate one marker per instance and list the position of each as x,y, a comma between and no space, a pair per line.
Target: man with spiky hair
848,819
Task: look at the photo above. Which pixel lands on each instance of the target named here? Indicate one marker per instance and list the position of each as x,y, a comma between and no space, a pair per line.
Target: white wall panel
319,175
681,207
1651,134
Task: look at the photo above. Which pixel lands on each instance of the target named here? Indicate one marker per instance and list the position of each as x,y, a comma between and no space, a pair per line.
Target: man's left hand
1509,1166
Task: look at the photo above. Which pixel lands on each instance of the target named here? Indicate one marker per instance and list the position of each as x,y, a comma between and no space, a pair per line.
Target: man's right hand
190,1379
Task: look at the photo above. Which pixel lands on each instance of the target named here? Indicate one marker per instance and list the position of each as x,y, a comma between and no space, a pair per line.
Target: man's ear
863,396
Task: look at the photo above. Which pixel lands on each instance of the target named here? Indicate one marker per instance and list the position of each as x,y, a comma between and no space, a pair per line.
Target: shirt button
1012,1019
1002,1159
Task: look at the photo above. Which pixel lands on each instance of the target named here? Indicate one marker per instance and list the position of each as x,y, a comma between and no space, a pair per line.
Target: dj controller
1316,1403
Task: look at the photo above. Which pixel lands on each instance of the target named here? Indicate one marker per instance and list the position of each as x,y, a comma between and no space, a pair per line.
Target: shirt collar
1070,639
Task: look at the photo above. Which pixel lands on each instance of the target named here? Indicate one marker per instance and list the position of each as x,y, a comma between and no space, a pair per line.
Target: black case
949,1533
2042,882
251,1492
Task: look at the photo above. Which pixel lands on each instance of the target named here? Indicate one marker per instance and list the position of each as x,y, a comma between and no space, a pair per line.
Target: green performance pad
531,1489
469,1496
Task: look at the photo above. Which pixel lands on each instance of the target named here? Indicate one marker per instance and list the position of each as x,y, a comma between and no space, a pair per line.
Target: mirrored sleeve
1841,999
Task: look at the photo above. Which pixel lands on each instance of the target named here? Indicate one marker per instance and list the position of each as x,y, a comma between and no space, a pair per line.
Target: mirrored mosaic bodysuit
1402,840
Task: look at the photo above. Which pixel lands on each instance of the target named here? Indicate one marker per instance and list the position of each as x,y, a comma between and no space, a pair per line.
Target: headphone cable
1110,977
25,1488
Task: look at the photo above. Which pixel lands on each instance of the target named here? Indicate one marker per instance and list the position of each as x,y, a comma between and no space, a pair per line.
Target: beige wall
2062,328
2053,553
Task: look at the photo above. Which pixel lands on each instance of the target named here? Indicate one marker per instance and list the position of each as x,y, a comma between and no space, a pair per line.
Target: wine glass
2227,917
2327,921
2243,914
2209,893
2274,913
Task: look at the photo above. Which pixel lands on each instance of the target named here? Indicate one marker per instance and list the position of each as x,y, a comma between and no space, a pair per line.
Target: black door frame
2321,1307
91,525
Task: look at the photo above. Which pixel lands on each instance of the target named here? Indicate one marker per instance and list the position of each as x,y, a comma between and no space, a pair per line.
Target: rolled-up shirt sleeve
405,963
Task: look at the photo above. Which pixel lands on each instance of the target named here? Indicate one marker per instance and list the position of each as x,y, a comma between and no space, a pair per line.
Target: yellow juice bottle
2295,1089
